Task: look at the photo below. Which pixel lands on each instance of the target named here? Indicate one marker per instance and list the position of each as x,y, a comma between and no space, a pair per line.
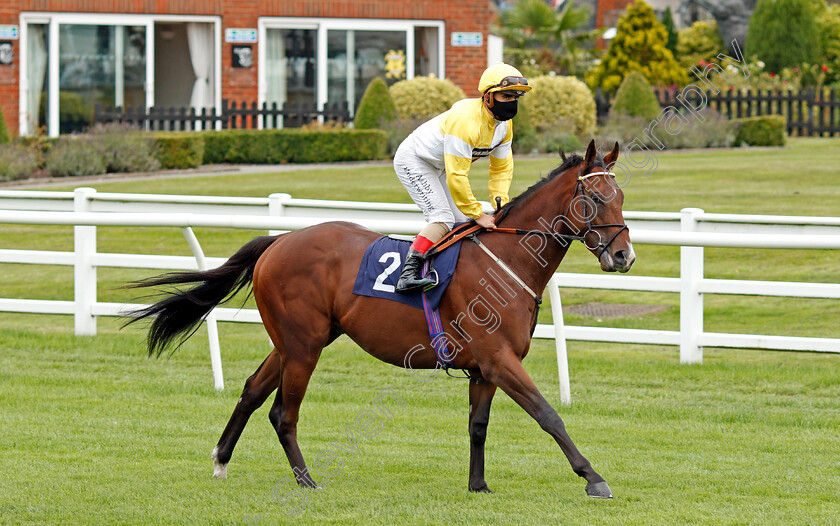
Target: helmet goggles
509,84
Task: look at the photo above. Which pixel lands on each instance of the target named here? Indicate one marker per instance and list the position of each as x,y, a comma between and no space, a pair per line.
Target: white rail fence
692,229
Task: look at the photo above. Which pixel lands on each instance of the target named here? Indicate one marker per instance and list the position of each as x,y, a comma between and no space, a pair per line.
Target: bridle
589,227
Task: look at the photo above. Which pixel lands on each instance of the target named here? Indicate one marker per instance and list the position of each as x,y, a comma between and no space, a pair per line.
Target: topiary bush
376,108
639,45
784,34
769,130
424,97
635,98
17,161
294,145
75,155
700,42
125,148
554,97
5,138
179,149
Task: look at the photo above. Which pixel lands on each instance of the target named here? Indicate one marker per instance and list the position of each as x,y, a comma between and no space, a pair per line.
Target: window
325,61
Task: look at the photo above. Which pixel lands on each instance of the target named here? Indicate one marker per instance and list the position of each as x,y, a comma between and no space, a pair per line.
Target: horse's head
597,203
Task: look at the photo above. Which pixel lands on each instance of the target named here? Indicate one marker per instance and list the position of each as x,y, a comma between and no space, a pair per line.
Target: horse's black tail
180,314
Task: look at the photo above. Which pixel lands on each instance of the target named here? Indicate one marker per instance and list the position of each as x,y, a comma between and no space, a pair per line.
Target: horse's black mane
570,162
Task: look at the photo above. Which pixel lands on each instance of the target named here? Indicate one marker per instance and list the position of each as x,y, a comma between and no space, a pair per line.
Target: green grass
94,432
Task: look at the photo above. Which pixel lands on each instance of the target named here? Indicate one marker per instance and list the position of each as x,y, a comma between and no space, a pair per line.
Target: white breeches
426,185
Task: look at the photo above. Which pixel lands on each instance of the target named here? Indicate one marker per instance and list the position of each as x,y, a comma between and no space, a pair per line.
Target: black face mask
504,111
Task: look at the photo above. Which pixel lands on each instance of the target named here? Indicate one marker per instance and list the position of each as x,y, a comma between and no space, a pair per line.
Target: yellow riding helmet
503,77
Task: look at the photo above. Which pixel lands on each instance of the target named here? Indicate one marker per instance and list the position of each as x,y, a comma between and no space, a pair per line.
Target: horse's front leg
505,370
481,395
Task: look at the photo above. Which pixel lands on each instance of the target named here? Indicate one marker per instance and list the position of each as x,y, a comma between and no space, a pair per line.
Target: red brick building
61,56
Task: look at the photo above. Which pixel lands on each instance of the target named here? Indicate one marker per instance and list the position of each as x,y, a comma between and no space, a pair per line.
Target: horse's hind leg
481,395
284,413
257,388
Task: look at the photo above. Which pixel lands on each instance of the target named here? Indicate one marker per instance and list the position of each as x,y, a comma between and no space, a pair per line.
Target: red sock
421,244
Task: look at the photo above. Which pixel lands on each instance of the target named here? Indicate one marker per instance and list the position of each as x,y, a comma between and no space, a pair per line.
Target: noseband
601,247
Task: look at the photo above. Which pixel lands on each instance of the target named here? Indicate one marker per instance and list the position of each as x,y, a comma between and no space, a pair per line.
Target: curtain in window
36,67
276,65
200,38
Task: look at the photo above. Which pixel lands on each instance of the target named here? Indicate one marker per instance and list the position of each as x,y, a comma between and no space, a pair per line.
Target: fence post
560,342
210,320
276,208
691,300
84,273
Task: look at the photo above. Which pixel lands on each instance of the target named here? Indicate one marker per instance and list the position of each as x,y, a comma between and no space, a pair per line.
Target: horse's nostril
620,256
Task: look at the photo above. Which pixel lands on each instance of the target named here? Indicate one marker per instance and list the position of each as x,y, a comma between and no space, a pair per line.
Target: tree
784,34
541,40
699,42
670,27
639,45
376,106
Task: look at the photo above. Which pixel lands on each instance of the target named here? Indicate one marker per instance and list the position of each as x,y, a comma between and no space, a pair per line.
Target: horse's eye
597,199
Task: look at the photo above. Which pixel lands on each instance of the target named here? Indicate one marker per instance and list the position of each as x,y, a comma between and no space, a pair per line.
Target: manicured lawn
96,433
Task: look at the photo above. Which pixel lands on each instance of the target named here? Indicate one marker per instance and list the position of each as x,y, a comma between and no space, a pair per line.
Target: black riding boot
410,280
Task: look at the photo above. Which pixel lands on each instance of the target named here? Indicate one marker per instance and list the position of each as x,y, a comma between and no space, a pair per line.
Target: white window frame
53,19
322,25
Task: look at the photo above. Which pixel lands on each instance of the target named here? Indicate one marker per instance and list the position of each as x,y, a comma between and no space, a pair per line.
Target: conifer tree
784,34
4,130
671,28
639,45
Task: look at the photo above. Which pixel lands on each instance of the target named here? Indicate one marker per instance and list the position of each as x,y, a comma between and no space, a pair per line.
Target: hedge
769,130
293,145
179,149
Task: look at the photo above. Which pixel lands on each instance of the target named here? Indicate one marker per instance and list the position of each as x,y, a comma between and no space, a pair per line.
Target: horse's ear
590,152
562,154
612,157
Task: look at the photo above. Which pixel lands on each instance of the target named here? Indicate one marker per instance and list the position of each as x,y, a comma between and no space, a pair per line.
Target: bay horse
302,282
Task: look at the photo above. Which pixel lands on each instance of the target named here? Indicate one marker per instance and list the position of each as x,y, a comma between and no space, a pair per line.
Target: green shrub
72,156
126,148
715,132
424,97
397,130
294,145
376,108
74,114
829,22
5,138
639,45
179,149
784,33
524,133
701,41
553,97
17,161
635,98
769,130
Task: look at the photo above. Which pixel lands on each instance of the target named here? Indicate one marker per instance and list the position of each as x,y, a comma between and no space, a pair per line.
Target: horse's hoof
599,490
219,469
481,489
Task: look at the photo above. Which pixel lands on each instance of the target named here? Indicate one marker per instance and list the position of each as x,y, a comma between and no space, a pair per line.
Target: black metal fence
230,116
807,112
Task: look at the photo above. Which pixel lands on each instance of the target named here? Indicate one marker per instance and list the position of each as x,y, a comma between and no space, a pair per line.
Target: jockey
433,163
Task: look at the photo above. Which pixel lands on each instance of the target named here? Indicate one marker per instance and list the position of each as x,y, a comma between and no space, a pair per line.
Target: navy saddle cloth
381,267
